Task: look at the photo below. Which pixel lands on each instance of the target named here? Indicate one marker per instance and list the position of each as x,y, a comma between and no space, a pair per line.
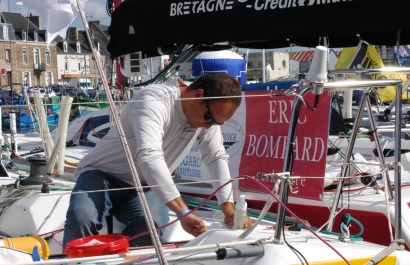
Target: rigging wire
298,254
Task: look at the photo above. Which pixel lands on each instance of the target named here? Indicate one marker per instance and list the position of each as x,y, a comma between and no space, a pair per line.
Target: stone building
7,44
26,57
74,55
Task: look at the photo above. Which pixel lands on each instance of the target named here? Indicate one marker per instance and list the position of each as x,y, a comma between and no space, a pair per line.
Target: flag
366,56
58,15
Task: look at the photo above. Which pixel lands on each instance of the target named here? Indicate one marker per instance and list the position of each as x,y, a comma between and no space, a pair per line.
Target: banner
256,140
267,127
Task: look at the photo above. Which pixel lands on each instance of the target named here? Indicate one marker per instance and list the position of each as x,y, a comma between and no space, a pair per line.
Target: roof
18,21
306,56
72,48
103,29
11,36
302,56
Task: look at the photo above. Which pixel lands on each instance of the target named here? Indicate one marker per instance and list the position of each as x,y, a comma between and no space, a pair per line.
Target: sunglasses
208,116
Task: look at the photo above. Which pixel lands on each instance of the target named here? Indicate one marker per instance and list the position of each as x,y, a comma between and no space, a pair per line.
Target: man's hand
190,223
193,224
228,210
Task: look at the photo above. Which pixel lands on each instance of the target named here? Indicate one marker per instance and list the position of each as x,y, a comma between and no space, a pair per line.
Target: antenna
317,74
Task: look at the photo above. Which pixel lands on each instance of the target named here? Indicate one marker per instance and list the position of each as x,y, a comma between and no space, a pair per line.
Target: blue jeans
86,213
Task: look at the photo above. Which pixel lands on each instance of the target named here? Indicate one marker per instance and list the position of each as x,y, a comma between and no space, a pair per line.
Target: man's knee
82,214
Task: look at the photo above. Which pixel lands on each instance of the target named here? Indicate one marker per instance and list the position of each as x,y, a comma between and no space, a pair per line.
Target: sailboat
258,245
266,242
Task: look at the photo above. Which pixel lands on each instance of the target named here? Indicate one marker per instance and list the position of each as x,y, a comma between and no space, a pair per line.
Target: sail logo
196,7
282,4
210,6
233,136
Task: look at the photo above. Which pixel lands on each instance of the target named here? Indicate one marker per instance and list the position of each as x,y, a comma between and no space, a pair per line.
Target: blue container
272,85
227,62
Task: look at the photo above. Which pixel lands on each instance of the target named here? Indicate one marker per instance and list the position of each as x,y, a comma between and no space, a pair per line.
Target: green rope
11,162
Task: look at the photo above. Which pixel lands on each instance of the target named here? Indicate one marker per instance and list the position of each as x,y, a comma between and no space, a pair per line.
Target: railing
39,67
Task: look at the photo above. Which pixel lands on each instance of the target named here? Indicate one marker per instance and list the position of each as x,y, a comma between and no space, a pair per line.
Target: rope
344,227
397,245
79,132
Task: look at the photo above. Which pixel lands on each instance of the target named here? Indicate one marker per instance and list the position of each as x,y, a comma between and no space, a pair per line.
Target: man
160,124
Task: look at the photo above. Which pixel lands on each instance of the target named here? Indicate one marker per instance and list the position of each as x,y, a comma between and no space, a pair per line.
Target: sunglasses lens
208,116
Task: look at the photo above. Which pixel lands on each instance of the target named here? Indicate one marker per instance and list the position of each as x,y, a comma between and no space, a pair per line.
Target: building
25,57
75,59
99,34
7,44
276,65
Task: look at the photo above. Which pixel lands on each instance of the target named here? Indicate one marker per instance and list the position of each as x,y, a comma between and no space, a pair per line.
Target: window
8,56
66,66
36,36
48,57
37,56
26,79
78,47
65,46
24,56
49,78
5,32
24,35
284,63
9,77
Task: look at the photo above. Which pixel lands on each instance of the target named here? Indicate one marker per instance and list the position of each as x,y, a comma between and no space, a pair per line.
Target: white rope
148,217
386,252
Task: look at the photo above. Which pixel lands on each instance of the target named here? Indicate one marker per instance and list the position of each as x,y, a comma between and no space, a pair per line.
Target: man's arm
216,159
190,223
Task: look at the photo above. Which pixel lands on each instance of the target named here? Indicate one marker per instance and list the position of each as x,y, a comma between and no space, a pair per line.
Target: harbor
317,163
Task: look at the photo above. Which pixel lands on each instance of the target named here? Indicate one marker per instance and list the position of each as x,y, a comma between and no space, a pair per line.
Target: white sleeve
219,171
148,117
216,159
156,173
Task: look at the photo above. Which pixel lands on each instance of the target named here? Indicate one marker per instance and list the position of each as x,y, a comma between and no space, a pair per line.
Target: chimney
35,20
72,34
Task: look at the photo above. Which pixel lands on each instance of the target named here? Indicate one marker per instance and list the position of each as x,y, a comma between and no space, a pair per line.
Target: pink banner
264,150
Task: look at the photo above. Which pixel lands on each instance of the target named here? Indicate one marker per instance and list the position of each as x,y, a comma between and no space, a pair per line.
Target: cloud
95,10
4,6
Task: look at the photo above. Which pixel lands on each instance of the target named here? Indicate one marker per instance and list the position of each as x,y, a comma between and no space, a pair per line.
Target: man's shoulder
159,90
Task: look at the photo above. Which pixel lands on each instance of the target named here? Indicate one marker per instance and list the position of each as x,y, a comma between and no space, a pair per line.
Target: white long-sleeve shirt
159,138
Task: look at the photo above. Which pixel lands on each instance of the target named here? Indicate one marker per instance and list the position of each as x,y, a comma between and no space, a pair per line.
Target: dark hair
219,85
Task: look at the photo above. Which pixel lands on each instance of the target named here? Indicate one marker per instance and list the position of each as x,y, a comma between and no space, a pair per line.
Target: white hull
44,213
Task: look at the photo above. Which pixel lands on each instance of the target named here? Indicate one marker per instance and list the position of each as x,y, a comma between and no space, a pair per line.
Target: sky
93,9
